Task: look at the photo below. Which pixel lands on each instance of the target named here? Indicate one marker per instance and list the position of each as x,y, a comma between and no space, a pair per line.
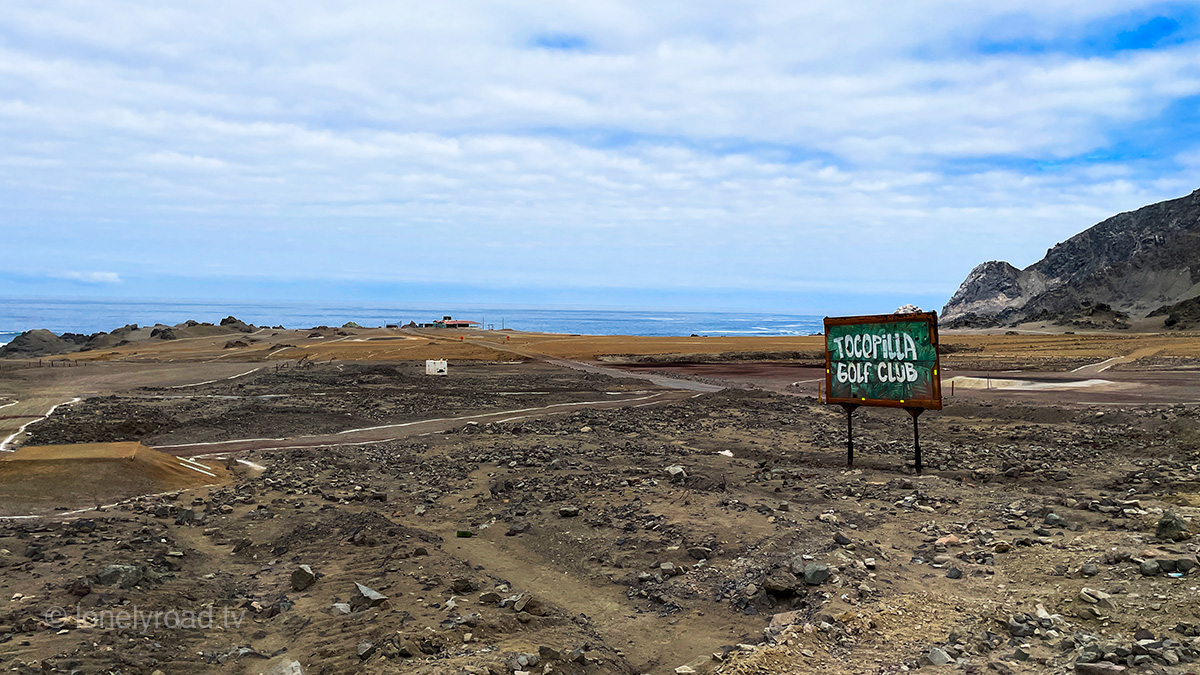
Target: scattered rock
365,598
1172,527
302,578
816,574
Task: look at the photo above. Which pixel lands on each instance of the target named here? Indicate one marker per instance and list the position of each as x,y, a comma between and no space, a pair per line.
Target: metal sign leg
916,415
849,408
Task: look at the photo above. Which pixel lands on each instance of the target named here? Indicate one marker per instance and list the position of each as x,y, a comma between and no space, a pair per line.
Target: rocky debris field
277,402
720,533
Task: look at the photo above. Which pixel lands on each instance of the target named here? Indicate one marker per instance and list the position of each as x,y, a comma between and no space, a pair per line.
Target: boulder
365,598
302,578
121,576
816,574
1172,527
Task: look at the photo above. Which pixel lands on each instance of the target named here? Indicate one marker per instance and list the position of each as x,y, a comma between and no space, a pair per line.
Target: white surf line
8,404
397,426
193,461
197,384
819,379
5,442
1101,363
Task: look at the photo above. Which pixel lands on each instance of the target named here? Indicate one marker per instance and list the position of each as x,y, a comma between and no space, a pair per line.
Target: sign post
888,360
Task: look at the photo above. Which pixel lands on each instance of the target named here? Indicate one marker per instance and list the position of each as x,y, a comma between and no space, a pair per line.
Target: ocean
90,316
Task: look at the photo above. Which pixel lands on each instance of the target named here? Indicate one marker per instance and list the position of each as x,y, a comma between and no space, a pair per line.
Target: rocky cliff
1131,264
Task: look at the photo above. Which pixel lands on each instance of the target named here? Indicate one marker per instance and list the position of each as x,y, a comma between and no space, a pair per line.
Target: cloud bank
767,147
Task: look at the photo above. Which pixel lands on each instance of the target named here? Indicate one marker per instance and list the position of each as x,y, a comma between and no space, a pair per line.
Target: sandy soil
638,536
45,478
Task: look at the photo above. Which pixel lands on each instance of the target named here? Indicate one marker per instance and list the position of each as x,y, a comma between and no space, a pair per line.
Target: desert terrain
583,504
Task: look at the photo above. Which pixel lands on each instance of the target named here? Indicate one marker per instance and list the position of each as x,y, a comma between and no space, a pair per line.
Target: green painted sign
885,360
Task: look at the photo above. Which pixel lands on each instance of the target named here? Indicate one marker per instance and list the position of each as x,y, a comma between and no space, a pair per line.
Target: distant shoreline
88,317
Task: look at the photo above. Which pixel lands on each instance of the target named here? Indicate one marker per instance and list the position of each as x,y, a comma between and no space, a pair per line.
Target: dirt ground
554,520
40,479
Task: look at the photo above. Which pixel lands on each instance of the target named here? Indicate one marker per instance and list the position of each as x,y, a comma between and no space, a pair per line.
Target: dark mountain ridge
1131,264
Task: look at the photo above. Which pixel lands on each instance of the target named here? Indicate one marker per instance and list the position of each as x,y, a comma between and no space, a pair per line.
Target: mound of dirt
37,478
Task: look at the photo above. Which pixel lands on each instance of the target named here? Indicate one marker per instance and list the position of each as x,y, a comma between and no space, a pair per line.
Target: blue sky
787,156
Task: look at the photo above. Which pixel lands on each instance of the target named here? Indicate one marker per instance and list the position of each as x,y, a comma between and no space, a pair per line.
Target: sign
884,360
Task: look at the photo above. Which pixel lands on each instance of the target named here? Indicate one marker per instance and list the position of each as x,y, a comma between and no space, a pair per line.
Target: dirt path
1097,368
391,432
38,404
553,573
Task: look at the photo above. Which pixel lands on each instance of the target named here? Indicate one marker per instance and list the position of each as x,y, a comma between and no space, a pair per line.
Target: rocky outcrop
1134,263
35,343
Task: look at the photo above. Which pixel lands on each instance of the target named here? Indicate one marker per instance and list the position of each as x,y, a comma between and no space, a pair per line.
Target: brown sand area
88,474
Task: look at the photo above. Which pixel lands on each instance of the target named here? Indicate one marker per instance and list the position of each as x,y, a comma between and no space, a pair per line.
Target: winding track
391,432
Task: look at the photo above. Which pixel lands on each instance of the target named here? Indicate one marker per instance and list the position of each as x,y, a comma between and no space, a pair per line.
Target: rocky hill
41,342
1129,265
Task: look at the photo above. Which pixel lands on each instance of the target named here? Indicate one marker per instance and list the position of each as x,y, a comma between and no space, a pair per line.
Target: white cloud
90,277
754,145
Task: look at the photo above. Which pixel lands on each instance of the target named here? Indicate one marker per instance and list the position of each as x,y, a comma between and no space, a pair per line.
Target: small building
449,322
436,367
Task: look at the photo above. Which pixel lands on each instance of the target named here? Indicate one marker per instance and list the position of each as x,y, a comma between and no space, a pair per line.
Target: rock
549,653
841,539
1019,628
699,552
122,576
784,619
365,598
288,667
1095,597
341,608
954,573
1184,565
302,578
365,649
685,670
816,574
780,582
1149,568
80,587
1054,520
568,511
516,528
1098,668
462,585
939,657
676,473
1172,527
1089,570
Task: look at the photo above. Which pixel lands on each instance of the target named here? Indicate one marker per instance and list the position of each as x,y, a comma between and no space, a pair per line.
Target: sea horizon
87,316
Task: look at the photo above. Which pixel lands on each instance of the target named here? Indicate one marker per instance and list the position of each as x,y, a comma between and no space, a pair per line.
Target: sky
785,156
